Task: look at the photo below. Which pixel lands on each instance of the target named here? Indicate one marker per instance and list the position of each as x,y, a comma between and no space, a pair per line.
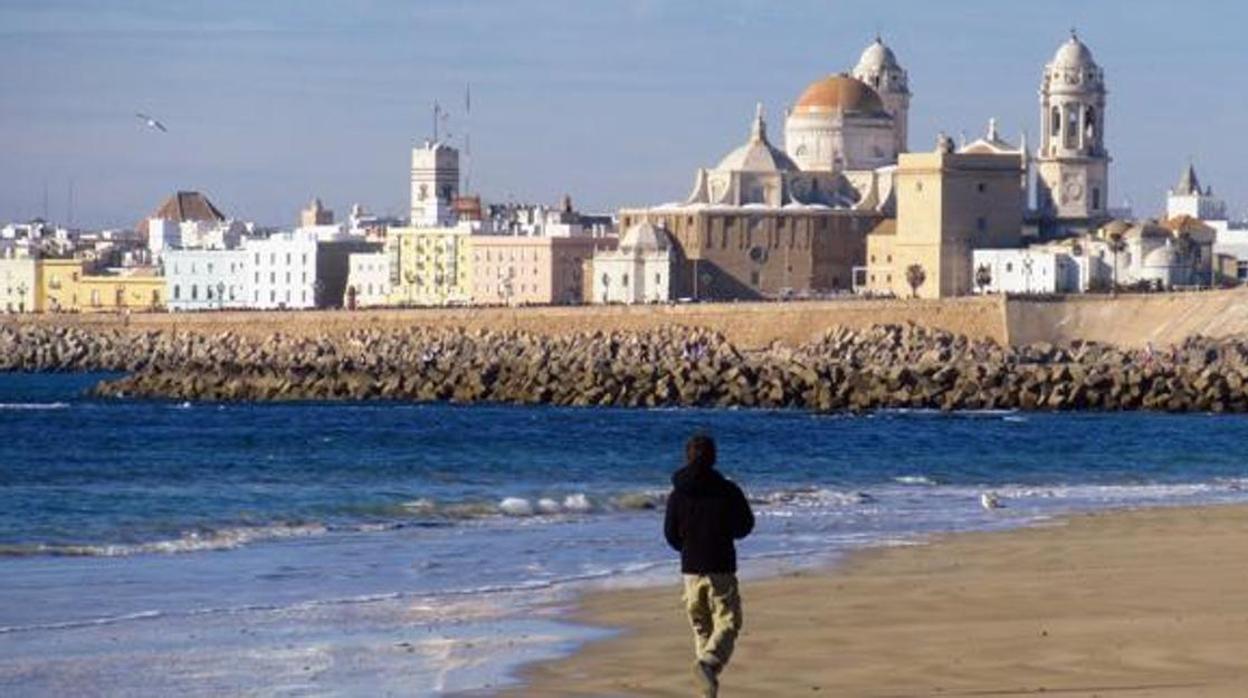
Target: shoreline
1143,601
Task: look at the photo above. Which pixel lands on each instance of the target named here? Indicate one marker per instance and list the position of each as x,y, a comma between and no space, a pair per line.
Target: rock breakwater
890,366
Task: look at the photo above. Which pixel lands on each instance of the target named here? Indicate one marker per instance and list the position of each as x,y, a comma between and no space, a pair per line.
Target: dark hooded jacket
706,512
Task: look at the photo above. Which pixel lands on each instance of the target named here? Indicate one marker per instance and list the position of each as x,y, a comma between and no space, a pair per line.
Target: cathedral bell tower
1072,163
878,67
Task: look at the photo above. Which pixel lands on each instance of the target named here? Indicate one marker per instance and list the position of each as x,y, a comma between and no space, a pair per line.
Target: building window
1096,198
754,277
981,224
918,186
873,259
1009,266
624,281
177,292
194,292
981,187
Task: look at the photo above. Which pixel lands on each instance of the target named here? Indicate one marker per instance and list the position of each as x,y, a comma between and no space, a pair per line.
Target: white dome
876,57
1073,54
1163,257
757,155
644,238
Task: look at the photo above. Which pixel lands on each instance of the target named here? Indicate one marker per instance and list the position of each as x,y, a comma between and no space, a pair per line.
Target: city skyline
614,104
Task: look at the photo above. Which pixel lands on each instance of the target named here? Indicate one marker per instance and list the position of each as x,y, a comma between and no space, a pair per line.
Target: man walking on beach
706,512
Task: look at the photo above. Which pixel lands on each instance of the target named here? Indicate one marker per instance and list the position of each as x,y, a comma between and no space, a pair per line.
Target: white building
1025,271
639,271
165,234
206,279
435,184
368,280
283,271
1188,199
17,280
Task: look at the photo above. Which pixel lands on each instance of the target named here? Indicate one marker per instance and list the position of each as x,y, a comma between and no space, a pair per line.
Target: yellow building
62,287
104,294
948,204
56,285
430,266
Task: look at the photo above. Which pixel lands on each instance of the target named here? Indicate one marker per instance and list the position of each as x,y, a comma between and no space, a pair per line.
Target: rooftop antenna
69,205
467,139
437,115
45,200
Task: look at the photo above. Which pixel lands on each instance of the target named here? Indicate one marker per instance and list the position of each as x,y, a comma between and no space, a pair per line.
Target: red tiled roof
183,206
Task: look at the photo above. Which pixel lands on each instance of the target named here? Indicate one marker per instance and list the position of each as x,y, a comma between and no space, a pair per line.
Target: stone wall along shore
887,366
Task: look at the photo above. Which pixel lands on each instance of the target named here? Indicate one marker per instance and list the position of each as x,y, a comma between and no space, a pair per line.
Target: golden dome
839,92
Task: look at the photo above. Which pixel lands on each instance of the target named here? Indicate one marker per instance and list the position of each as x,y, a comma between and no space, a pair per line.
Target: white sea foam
516,506
577,502
547,505
190,542
33,406
914,480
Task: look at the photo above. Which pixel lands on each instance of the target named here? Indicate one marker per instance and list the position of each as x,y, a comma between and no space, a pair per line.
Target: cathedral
769,221
841,138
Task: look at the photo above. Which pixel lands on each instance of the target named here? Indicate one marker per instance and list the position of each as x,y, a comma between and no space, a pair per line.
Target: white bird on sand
990,501
152,122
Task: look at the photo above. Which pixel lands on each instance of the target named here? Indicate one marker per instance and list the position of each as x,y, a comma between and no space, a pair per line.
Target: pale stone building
1072,163
435,184
949,203
639,271
430,266
17,280
315,214
530,270
368,281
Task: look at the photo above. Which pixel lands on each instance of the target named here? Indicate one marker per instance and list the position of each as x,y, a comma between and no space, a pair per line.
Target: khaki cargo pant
713,602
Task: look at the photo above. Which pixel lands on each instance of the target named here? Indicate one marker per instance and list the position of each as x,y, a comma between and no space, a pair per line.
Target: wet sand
1143,603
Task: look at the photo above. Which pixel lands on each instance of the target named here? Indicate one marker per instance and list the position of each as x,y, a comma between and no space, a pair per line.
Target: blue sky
615,103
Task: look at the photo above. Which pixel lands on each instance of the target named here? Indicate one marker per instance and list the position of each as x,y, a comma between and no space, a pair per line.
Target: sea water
165,548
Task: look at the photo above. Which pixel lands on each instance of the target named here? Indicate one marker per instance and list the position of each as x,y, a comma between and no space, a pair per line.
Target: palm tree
983,278
1116,245
915,276
1189,253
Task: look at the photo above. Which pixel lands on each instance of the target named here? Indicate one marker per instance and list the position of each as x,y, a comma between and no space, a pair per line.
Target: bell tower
1072,163
878,67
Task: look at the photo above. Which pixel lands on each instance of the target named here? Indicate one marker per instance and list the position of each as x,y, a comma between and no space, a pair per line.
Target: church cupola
1072,162
878,67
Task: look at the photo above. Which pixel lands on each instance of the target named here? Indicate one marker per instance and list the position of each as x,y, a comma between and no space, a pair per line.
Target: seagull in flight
152,122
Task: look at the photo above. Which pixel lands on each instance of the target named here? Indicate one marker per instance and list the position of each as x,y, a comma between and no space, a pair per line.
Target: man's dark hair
700,452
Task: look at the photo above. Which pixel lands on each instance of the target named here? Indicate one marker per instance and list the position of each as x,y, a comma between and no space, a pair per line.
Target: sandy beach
1139,603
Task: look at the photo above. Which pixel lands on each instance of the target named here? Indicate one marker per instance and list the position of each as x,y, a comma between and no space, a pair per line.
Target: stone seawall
1135,320
893,366
747,325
